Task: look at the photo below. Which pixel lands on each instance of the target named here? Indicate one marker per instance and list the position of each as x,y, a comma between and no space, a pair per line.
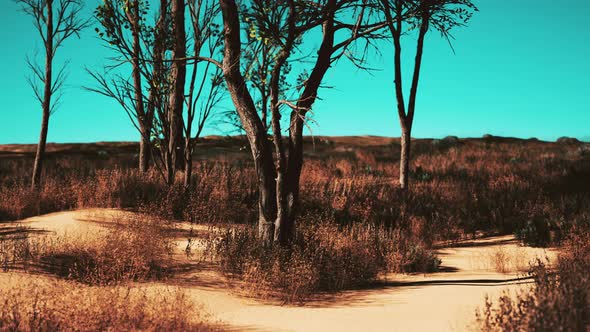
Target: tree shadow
200,274
365,296
486,241
12,231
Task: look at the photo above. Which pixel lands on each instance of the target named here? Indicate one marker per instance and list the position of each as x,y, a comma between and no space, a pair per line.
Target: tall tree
55,21
124,29
403,15
284,24
178,80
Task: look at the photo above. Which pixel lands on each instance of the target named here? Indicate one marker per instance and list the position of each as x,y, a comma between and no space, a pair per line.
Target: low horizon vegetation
533,189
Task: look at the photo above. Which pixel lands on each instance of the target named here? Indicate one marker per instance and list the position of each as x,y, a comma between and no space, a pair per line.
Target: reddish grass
458,188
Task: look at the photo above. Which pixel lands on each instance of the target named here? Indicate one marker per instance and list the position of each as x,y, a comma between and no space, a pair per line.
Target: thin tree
205,83
423,15
124,30
158,81
55,21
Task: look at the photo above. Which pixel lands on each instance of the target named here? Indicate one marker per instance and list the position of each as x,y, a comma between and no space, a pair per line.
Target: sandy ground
443,301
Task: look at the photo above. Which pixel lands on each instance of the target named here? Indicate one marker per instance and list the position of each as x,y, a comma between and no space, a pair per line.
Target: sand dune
443,301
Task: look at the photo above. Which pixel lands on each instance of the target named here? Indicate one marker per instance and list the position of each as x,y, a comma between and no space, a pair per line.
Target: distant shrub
535,232
567,140
451,139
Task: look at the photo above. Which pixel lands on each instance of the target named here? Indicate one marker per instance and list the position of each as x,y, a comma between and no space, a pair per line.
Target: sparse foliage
402,17
55,21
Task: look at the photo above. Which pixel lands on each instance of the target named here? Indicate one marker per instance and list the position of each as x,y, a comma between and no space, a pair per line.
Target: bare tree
153,95
284,24
205,86
403,15
55,21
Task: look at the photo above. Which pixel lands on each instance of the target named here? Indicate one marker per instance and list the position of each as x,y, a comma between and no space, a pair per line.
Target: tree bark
38,166
145,126
144,148
188,160
260,145
281,231
406,119
404,163
178,77
46,105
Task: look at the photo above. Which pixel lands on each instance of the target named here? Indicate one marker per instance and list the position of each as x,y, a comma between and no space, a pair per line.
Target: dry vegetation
535,189
559,301
67,306
128,250
355,223
323,257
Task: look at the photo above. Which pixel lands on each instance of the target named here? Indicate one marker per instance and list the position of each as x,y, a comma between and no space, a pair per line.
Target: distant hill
236,147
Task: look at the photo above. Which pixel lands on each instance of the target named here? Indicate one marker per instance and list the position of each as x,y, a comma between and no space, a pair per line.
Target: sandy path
443,301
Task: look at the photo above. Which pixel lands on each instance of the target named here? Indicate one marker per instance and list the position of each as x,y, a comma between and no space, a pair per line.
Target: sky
520,68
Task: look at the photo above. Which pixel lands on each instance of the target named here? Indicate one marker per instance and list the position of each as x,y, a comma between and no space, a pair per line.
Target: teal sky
520,68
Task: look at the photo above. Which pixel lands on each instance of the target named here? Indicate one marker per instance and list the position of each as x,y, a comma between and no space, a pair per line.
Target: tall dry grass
323,257
559,300
40,305
535,189
127,250
459,187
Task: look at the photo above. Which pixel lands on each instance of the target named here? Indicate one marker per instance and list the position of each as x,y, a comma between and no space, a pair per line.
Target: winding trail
442,301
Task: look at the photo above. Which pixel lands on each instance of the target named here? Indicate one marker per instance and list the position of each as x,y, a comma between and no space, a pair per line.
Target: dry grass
134,249
28,305
322,258
533,188
559,301
504,259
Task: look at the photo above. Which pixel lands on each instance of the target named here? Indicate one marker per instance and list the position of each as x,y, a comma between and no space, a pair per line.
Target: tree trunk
406,120
144,143
305,102
144,149
38,166
178,76
188,160
260,145
404,163
170,168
